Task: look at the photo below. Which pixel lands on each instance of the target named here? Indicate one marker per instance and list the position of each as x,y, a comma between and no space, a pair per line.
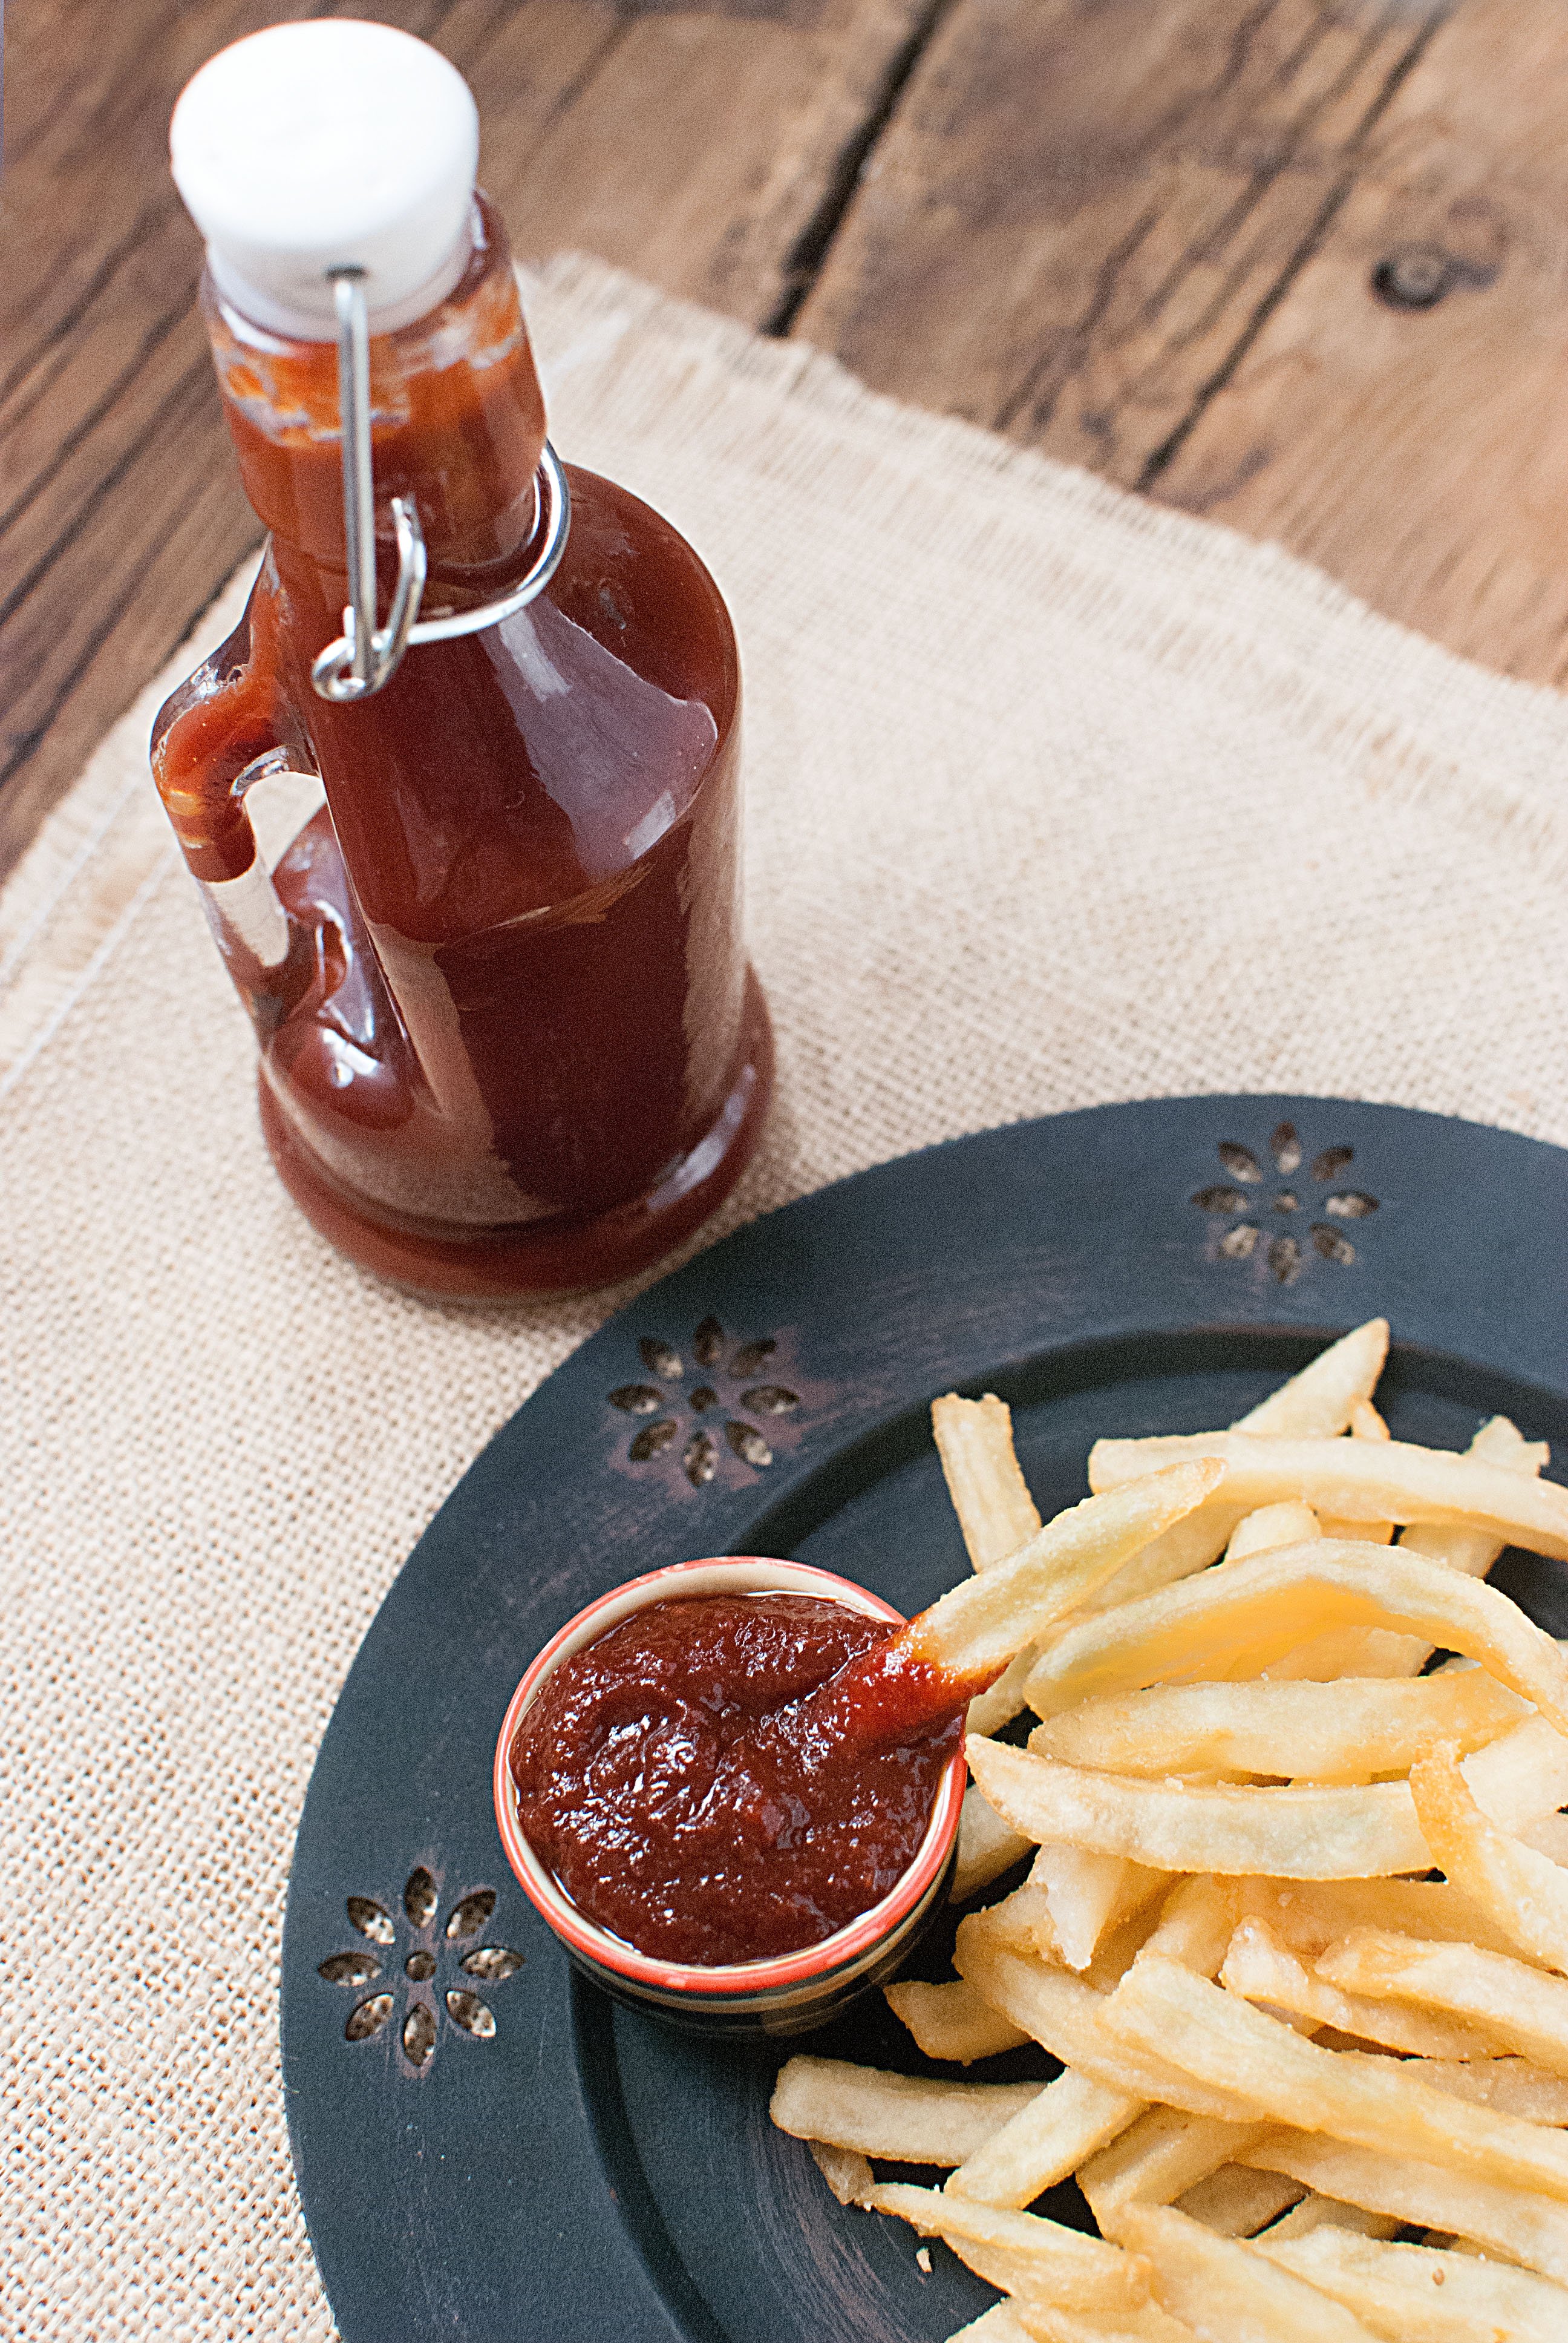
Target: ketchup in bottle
509,1039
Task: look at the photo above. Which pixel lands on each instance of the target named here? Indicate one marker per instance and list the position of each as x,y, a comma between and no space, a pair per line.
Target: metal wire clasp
366,656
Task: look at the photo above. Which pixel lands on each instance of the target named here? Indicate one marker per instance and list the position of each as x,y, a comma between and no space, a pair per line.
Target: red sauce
729,1777
515,1044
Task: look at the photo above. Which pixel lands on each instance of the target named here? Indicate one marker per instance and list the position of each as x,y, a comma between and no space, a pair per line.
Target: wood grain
695,144
1421,454
1084,206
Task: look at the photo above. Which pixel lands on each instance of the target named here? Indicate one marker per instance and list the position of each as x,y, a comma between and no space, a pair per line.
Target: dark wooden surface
1296,264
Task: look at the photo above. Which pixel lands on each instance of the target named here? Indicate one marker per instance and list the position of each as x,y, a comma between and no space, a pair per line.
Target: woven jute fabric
1054,798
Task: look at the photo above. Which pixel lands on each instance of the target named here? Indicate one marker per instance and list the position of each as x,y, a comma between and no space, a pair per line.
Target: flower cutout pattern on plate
433,1965
1253,1214
678,1391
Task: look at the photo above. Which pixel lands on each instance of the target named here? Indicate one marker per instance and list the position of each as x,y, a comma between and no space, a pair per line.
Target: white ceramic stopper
326,145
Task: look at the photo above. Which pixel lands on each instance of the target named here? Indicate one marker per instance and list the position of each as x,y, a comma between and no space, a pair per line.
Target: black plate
575,2172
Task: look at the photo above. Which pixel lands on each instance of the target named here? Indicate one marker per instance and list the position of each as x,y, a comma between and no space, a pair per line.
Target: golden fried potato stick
1290,1524
1514,2086
1523,1893
1252,1610
986,1847
1032,2257
1048,2323
1365,1831
912,2118
1315,2212
1000,2324
977,1625
1159,2009
1087,1895
951,2021
1196,1923
1500,1442
1319,1402
1067,2122
991,1496
1227,2291
1160,2156
1419,2295
1320,1732
1371,1651
1358,1480
1236,2203
1260,1969
1522,2008
1310,1916
846,2172
1512,2222
1066,2016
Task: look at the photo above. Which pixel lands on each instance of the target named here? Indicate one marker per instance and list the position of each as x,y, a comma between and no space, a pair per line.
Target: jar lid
329,145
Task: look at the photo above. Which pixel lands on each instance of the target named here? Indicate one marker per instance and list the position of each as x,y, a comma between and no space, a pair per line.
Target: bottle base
568,1253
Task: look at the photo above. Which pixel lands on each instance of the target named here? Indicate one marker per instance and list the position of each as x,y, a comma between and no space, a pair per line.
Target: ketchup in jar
509,1040
729,1777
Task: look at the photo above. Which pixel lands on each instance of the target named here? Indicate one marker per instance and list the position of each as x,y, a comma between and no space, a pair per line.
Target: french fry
986,1849
1000,2324
1047,2323
1324,1733
1361,1833
1548,1834
1366,1423
1372,1652
1315,2212
1160,2009
1319,1402
846,2172
1040,2258
1159,2158
1310,1916
1236,2203
1066,2016
1357,1480
1516,2087
907,2116
1001,1702
1251,1610
1522,2008
1189,1544
1291,1523
1067,2122
1228,2292
952,2023
991,1496
1512,2222
1196,1923
1498,1442
1524,1893
1087,1894
977,1625
1260,1969
1416,2296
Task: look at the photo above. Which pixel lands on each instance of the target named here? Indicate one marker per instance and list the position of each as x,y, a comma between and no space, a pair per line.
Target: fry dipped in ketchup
730,1777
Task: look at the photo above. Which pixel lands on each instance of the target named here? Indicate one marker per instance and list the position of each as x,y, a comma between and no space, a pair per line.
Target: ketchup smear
729,1777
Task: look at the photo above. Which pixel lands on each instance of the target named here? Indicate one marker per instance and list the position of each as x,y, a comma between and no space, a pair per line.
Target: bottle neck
457,423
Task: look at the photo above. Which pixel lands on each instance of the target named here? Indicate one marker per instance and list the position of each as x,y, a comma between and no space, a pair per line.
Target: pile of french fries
1312,2092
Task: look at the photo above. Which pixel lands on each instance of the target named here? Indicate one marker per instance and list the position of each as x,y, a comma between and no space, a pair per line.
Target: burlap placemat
1054,798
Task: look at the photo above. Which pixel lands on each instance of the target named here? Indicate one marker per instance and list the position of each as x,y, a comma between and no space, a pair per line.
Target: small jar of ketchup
509,1039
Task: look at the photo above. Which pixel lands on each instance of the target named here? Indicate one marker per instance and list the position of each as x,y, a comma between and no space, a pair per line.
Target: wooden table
1298,264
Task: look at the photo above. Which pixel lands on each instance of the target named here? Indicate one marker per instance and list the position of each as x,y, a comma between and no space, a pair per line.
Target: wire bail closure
364,657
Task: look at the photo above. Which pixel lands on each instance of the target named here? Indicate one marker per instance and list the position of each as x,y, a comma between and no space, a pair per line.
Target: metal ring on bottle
364,656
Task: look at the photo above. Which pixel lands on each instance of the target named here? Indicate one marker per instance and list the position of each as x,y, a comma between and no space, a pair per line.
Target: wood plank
1421,454
1083,208
697,146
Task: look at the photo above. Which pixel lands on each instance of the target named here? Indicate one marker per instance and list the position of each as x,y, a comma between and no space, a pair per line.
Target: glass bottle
509,1040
